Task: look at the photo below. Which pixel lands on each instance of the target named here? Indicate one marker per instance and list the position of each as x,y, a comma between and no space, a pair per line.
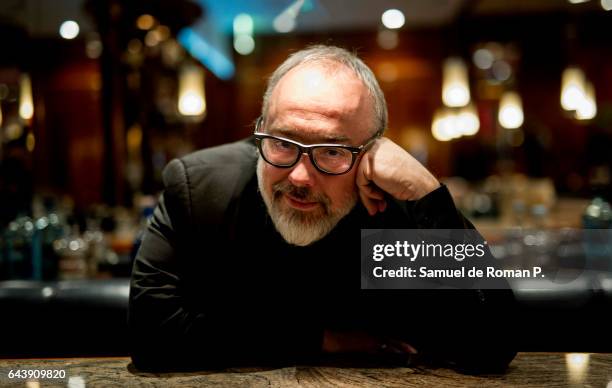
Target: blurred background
507,102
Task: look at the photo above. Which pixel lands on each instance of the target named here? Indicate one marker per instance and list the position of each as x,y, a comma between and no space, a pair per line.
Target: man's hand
387,168
362,342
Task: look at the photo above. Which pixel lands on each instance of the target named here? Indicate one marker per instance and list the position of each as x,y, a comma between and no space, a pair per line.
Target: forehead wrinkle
306,124
322,113
317,108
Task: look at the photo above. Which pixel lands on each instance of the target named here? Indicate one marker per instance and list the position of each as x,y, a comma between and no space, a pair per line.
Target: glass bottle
18,248
72,254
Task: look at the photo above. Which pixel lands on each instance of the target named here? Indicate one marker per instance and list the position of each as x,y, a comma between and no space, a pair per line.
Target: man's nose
303,173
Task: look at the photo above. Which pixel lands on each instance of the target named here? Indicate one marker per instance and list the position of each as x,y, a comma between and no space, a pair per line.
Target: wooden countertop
527,370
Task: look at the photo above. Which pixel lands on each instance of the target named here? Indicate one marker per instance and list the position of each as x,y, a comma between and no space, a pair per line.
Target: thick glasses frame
308,149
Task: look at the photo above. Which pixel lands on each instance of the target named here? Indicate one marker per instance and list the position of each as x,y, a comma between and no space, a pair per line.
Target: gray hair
323,53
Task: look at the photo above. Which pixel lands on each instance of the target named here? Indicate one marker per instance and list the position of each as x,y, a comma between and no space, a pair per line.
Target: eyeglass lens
284,153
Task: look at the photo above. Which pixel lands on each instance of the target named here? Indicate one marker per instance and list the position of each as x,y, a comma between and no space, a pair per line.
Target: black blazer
214,284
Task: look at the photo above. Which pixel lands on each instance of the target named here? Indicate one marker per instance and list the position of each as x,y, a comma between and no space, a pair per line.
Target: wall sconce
448,124
510,110
26,106
578,94
572,88
468,120
455,86
587,107
191,97
442,126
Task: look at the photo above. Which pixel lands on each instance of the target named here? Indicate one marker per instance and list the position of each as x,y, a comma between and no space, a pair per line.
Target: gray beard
298,227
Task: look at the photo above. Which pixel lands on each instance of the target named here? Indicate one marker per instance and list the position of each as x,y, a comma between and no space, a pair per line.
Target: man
252,255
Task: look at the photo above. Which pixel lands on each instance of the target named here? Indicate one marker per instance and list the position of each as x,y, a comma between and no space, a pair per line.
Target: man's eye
282,145
334,153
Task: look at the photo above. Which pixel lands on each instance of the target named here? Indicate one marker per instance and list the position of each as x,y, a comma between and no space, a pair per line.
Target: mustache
301,193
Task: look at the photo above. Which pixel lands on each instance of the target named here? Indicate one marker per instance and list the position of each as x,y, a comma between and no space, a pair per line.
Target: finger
369,203
401,346
382,205
373,192
405,347
363,174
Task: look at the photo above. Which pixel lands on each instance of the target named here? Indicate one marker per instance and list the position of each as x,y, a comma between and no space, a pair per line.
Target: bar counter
527,370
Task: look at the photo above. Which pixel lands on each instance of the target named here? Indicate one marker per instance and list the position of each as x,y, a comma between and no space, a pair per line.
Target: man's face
314,103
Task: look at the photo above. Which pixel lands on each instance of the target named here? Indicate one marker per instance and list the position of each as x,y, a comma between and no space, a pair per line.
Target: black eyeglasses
333,159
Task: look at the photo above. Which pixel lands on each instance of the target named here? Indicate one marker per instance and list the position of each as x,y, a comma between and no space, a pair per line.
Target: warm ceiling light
606,5
69,29
26,105
455,88
163,32
440,128
468,121
572,88
393,19
152,38
510,110
587,108
452,123
446,125
192,100
145,22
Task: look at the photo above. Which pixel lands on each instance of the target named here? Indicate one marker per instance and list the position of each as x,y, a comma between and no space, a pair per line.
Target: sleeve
471,330
168,332
437,210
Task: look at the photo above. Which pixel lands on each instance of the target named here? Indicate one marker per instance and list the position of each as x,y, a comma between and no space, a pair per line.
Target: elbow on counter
156,354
